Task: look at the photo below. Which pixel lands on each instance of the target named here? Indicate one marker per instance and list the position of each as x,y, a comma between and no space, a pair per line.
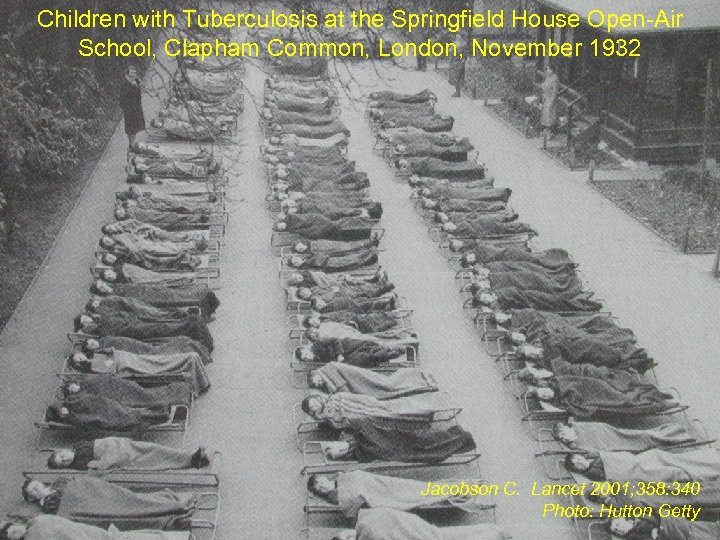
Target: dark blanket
181,260
367,323
481,217
464,205
336,212
513,298
397,440
528,280
333,247
680,529
98,502
317,226
578,347
449,191
179,293
356,290
291,117
170,345
356,352
167,220
177,206
589,398
301,169
485,229
411,138
113,305
127,325
619,379
388,95
353,183
292,154
133,395
536,324
316,132
379,107
292,103
90,412
552,259
559,272
432,123
437,168
358,305
341,262
594,339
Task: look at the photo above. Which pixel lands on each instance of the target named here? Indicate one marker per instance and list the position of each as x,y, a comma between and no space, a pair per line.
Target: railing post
591,171
686,237
716,263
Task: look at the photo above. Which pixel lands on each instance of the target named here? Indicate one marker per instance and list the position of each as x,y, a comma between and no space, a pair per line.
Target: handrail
627,125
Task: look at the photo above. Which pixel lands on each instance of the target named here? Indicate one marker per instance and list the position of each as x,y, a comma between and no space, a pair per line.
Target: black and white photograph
359,269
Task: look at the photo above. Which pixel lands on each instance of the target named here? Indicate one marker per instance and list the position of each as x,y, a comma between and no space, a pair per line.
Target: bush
49,115
696,180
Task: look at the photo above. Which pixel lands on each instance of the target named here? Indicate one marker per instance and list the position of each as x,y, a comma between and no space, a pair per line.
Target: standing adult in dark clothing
131,104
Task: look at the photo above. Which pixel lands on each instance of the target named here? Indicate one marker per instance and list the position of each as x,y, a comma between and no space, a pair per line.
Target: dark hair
306,321
298,353
83,367
77,325
569,465
104,228
5,528
311,484
51,463
309,378
96,291
642,529
375,210
305,405
24,490
556,431
89,306
85,349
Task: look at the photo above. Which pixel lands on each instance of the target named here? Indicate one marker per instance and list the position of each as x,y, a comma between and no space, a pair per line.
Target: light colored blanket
357,489
343,407
191,364
48,527
659,465
389,524
601,436
123,453
339,377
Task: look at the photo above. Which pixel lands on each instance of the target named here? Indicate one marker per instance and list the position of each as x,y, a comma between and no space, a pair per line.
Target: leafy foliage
48,117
